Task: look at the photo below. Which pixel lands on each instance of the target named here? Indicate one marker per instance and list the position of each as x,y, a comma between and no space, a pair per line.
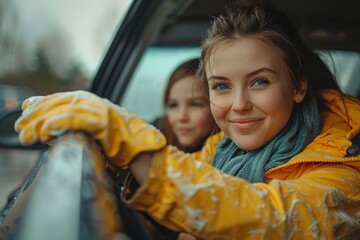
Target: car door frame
132,38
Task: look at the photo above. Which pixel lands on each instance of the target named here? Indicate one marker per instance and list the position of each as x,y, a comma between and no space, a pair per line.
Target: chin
247,146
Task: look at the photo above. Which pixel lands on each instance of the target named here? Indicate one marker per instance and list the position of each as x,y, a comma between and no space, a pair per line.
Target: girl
277,170
188,121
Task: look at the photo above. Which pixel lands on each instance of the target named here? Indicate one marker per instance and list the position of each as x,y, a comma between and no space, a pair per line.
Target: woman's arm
189,196
140,166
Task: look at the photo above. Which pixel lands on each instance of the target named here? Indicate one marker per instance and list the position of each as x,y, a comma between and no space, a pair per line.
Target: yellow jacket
316,195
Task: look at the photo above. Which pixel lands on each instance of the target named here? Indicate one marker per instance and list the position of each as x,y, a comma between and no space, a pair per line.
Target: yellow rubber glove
121,134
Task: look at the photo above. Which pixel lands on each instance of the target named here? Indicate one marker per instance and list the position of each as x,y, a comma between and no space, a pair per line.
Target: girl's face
251,92
189,112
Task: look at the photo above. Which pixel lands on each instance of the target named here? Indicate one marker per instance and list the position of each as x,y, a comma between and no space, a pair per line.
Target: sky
88,25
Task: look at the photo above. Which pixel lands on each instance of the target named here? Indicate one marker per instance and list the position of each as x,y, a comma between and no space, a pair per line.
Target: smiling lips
245,124
184,131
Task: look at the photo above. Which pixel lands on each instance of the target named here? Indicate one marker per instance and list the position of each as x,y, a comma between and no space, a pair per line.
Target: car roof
323,24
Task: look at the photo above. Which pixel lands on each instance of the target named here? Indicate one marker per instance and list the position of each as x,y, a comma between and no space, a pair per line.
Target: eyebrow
198,98
247,75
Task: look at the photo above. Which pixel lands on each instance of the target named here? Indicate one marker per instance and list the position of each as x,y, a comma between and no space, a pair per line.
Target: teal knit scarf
303,127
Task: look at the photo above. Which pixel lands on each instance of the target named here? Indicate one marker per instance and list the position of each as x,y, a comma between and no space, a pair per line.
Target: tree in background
46,66
12,50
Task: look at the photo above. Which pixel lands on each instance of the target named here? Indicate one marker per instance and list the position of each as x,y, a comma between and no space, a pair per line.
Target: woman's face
250,89
189,112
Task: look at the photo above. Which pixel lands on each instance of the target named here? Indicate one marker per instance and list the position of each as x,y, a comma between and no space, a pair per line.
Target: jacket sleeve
192,196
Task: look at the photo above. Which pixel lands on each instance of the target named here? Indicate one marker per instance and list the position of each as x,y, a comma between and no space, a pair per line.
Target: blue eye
220,86
260,82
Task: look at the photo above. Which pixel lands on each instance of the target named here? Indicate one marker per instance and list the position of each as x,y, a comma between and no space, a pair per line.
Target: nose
183,114
241,102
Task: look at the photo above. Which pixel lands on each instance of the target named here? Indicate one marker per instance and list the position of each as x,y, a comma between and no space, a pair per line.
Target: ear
300,94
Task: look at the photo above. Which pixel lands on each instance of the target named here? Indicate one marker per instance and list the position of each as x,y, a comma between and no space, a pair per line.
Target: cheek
218,113
220,101
269,105
171,119
204,123
202,118
277,106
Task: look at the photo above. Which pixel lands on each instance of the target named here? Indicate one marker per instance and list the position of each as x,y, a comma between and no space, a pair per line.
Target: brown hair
188,68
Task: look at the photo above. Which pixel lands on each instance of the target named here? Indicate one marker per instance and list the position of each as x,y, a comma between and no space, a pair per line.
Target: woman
188,121
278,168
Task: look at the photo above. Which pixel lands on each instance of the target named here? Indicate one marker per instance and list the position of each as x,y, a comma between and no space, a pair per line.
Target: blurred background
46,47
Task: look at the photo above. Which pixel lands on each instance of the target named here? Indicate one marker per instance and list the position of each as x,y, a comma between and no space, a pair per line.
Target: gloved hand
121,134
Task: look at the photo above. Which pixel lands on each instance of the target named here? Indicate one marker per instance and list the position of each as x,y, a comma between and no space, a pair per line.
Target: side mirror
9,138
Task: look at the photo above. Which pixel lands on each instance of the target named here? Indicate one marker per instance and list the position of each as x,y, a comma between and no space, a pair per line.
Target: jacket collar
341,124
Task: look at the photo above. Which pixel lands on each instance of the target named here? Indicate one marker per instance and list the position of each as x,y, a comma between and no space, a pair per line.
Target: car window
58,45
144,95
11,97
345,66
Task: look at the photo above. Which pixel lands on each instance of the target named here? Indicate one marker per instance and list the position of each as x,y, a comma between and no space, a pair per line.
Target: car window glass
346,68
57,45
144,95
